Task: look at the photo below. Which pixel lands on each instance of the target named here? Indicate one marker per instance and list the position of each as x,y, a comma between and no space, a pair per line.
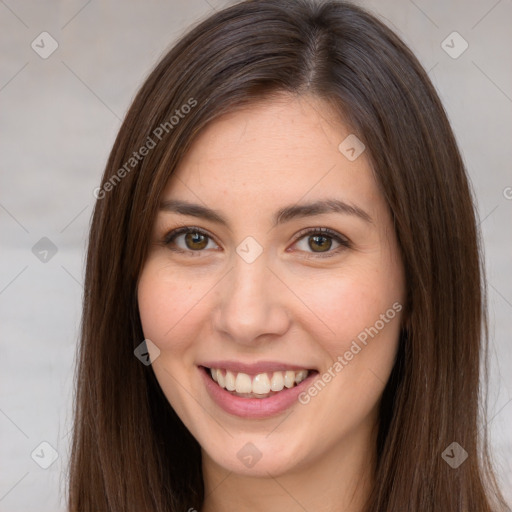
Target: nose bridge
250,304
248,283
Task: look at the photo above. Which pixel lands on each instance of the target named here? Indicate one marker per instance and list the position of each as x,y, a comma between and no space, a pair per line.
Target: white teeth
289,379
300,376
230,381
277,382
243,383
261,384
221,380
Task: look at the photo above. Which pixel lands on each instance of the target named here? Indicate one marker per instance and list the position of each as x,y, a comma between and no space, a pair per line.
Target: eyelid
327,231
184,230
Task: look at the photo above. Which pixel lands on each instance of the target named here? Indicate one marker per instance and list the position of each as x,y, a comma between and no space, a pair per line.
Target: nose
251,305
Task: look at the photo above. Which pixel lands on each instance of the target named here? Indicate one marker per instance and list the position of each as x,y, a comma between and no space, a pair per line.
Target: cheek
346,307
362,310
168,309
360,313
168,305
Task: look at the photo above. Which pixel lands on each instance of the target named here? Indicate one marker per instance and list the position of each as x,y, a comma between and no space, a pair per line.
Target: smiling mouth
262,385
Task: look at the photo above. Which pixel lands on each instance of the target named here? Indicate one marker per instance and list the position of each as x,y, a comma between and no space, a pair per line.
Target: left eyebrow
317,208
283,215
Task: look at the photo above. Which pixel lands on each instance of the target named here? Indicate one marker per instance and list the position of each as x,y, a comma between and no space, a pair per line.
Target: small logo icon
351,147
249,249
44,455
44,250
44,45
454,45
147,352
249,455
454,455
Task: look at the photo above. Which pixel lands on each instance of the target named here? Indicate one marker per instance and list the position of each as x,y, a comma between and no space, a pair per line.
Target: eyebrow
283,215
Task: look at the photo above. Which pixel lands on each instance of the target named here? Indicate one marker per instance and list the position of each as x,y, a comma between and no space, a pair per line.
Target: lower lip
253,407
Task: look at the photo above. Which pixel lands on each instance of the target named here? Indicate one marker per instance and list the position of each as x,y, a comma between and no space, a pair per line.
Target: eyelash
344,243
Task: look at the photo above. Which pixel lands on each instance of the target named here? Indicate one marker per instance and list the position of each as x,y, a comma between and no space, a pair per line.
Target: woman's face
288,289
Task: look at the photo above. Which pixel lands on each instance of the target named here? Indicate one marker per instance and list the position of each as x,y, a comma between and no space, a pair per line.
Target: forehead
274,151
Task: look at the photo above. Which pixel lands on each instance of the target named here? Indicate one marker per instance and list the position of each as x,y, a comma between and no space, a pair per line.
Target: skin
289,305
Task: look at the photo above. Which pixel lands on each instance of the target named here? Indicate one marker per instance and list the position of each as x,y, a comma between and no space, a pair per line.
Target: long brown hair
130,451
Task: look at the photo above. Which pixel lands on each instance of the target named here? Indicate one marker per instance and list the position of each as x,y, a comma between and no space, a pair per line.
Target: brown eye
323,243
319,242
188,239
196,241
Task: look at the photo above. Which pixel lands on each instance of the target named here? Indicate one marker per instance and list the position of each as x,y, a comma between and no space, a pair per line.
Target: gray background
59,119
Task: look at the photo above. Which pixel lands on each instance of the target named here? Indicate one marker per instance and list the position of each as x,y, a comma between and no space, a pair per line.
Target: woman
283,300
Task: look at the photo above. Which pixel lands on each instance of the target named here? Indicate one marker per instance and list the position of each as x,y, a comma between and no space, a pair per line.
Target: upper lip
253,368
